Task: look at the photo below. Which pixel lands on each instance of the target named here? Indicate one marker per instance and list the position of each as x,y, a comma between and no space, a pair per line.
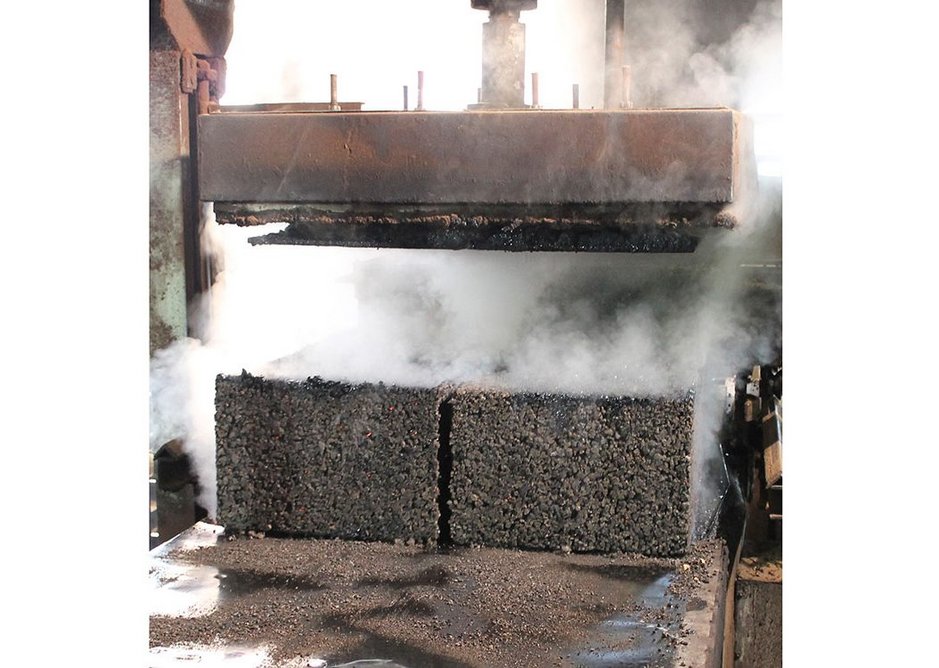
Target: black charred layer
607,474
637,228
326,459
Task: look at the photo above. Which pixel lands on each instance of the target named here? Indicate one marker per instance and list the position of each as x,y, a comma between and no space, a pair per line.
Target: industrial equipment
502,175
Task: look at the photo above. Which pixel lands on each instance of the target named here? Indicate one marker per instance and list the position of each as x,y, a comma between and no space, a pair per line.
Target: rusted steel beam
510,157
180,83
170,213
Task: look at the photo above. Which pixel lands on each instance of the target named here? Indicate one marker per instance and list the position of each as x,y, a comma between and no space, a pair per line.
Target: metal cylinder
420,90
535,101
333,92
500,5
627,102
615,53
576,95
405,98
503,72
203,96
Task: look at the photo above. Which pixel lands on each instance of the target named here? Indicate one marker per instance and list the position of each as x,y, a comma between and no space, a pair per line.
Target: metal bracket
203,76
730,394
188,70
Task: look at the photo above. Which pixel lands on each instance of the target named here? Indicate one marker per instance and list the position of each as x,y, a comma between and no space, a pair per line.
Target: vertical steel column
173,208
615,50
181,31
504,60
503,66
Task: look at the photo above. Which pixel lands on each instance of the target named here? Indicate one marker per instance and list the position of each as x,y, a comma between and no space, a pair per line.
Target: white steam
634,324
584,323
182,405
688,53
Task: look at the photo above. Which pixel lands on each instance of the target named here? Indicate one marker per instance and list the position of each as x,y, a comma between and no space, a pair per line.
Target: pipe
333,92
420,90
627,101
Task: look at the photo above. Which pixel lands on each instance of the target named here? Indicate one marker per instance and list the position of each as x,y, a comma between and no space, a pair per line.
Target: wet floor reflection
630,640
235,583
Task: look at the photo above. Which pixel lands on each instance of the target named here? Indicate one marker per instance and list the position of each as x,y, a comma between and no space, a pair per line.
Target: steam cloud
640,325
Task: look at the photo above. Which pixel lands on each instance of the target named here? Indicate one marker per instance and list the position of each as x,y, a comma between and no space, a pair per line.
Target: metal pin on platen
576,91
627,102
334,92
405,98
420,90
535,101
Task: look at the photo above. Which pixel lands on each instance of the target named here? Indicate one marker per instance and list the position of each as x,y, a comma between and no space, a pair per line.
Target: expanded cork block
553,472
327,459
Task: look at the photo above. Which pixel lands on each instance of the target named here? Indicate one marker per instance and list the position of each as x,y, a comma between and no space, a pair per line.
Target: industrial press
505,174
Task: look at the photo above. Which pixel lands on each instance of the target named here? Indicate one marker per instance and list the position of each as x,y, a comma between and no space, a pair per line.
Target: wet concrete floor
331,603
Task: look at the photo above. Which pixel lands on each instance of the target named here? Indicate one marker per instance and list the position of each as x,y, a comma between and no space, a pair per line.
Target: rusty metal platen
334,93
503,54
535,101
575,89
679,155
420,90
